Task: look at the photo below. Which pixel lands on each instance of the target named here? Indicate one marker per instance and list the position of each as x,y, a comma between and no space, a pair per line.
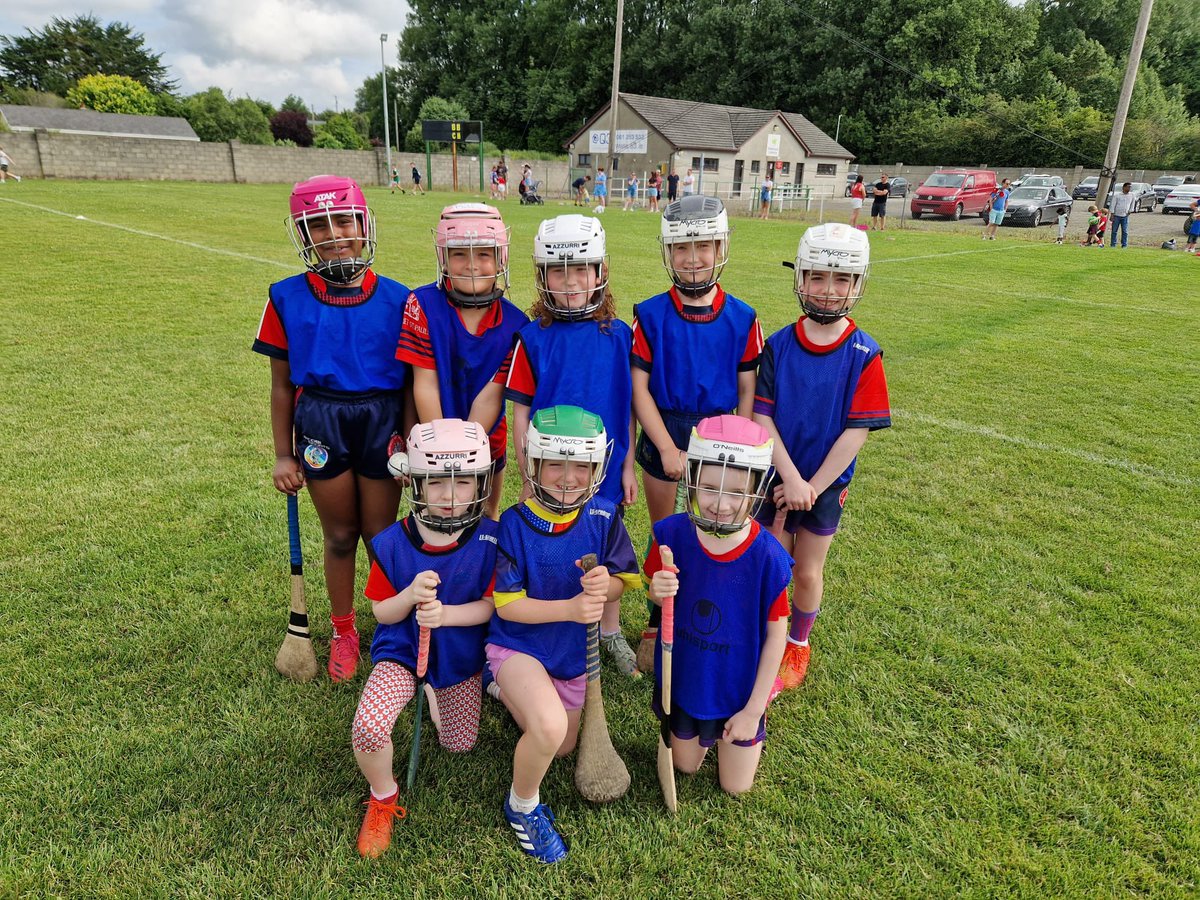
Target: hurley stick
600,774
295,659
666,634
414,755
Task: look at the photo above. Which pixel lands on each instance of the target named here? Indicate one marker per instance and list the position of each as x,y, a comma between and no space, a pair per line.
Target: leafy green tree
56,57
113,94
433,108
292,103
214,118
368,101
339,132
250,125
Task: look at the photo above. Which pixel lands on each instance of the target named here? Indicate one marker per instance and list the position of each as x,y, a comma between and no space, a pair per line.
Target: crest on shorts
316,454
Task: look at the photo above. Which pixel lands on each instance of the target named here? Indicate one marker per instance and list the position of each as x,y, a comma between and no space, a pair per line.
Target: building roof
692,125
88,121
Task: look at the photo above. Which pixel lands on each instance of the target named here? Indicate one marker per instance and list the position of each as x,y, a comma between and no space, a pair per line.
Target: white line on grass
150,234
951,253
1085,455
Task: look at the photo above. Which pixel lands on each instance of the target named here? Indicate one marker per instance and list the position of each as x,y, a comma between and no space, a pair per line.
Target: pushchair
530,195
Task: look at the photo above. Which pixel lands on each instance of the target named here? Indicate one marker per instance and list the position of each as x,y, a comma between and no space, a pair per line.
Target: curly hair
604,314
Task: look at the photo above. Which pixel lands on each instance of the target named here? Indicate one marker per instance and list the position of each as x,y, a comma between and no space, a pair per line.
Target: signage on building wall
628,141
773,142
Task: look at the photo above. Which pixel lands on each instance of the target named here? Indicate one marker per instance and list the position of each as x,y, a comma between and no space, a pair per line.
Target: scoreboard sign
448,131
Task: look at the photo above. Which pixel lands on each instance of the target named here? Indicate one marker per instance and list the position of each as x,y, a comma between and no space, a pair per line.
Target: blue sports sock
802,623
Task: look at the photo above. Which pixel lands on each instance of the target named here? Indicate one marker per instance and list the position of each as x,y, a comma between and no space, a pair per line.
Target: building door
738,167
799,173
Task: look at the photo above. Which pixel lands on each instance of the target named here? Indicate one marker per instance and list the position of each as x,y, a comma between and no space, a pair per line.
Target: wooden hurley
296,659
666,634
600,773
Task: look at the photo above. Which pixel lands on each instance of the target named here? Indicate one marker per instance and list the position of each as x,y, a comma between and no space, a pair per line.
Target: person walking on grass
996,204
5,162
1062,220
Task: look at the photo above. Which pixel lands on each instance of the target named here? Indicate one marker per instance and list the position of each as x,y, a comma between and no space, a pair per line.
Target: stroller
530,195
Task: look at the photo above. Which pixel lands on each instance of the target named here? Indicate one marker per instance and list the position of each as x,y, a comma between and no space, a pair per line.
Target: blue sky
267,49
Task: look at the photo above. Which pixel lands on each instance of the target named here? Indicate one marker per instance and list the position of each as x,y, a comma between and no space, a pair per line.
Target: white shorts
856,202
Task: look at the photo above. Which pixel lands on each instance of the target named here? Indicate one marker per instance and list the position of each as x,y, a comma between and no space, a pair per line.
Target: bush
113,94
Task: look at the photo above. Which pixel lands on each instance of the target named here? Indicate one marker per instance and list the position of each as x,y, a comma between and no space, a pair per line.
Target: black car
1086,189
898,185
1165,184
1032,206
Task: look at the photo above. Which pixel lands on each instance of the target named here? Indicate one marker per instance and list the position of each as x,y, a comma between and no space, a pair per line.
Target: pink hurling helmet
471,226
320,204
720,499
453,450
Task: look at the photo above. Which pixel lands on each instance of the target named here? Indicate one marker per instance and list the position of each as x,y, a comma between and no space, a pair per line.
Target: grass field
1004,699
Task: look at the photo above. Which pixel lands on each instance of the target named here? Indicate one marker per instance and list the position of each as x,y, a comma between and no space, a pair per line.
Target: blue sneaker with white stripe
536,834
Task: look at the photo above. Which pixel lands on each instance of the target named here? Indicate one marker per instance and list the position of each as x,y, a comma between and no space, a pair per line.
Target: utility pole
1109,172
616,92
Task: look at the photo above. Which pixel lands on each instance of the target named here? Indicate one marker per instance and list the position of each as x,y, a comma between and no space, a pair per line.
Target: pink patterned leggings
389,688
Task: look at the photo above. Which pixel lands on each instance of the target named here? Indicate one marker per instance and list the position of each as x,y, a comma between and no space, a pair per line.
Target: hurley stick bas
296,659
600,773
666,634
414,755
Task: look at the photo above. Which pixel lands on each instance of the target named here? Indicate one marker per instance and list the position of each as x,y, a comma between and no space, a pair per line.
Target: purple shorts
570,691
821,520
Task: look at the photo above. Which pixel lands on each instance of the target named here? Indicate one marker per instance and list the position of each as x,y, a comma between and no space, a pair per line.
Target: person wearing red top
858,193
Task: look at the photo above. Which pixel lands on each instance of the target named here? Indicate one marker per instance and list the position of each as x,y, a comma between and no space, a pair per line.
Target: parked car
954,193
852,177
1039,181
1031,206
898,184
1086,189
1145,197
1181,198
1165,183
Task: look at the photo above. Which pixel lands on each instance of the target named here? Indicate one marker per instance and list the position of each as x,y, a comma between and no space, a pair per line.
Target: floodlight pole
1109,172
616,90
387,128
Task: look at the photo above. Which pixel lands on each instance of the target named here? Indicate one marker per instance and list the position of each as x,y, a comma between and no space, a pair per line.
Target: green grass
1004,693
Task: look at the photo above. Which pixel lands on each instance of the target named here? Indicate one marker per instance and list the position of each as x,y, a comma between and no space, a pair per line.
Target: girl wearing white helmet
821,390
576,351
336,391
729,583
695,352
431,570
459,329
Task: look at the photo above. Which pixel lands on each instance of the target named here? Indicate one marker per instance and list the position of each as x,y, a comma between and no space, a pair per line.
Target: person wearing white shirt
1121,205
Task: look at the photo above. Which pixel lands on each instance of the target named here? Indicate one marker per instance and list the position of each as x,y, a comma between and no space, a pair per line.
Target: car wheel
1037,219
916,214
957,214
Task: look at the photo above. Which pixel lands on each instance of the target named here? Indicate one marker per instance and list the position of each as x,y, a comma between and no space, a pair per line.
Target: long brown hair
604,314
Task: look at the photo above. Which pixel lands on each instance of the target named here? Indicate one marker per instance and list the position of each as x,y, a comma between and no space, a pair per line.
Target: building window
826,169
712,164
787,168
754,167
616,163
583,159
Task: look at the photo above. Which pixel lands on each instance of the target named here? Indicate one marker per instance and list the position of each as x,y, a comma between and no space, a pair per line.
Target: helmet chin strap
340,271
694,290
470,301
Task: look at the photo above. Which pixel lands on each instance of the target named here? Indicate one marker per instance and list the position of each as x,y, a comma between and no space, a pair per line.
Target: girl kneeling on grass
731,603
432,570
336,390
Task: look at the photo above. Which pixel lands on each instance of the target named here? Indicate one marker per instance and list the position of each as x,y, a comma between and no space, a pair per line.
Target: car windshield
1028,193
1034,180
1170,180
951,181
1090,182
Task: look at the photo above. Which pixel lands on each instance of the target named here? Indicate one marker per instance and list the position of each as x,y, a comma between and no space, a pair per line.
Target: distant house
88,121
729,146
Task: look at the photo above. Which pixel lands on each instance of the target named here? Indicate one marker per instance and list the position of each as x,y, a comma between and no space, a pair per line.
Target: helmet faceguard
317,226
565,434
689,221
446,450
469,227
728,470
562,243
832,262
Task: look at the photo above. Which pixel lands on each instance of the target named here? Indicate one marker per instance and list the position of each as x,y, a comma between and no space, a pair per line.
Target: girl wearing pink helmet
459,328
336,390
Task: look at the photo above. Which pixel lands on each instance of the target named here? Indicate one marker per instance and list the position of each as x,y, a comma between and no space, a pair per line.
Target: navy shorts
679,426
821,520
878,208
686,727
337,432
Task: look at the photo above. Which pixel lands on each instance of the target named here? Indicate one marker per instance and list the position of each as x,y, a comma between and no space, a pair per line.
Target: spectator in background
858,193
879,194
581,194
764,196
996,206
689,184
1121,205
672,186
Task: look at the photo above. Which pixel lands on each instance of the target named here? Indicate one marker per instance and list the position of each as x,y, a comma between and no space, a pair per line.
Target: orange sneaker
343,656
375,836
794,666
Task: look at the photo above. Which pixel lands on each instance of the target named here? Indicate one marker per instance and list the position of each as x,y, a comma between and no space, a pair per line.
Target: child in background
1093,226
537,645
729,582
459,329
575,351
1063,219
631,189
600,191
433,569
821,390
695,354
336,401
1102,226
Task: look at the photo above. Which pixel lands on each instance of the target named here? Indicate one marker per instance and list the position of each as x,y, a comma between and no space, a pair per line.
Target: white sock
522,806
803,643
391,792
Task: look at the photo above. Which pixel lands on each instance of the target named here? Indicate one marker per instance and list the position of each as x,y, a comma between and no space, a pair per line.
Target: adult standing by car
879,204
1122,205
996,206
689,184
858,193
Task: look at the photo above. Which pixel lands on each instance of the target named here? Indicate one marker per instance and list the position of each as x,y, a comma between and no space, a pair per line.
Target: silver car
1180,199
1144,196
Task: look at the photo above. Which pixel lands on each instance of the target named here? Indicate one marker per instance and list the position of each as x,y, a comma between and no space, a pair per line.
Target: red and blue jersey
339,339
814,392
721,613
537,559
434,337
584,364
694,355
466,569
